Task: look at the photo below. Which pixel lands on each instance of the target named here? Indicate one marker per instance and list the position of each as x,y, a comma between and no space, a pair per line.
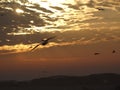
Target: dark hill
107,81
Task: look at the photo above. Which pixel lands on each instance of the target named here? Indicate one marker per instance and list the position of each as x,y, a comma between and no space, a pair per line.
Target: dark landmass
108,81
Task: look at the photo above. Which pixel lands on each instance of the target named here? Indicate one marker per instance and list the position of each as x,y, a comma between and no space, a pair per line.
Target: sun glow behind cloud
20,48
74,21
27,48
53,2
19,11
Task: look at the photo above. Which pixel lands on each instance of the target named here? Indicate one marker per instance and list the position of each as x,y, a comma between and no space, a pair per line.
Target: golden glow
85,1
19,10
34,1
27,48
53,2
47,3
19,33
56,2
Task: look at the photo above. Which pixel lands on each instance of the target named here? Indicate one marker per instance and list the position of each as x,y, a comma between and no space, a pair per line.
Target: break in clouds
23,23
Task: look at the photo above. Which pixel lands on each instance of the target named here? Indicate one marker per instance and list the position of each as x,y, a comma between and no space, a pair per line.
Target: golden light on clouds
56,2
19,11
53,2
20,48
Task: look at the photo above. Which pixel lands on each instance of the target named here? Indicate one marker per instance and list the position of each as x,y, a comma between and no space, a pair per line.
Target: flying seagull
113,51
101,9
43,42
96,53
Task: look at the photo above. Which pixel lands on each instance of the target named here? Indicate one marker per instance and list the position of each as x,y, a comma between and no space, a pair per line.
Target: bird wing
51,37
113,51
96,53
35,47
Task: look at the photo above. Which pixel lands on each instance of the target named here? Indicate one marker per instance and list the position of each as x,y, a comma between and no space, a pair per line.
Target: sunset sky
81,28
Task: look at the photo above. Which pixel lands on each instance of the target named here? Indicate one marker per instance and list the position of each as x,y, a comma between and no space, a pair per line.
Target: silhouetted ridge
90,79
91,82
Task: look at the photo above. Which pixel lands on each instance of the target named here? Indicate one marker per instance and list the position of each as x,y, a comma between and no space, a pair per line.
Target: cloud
20,48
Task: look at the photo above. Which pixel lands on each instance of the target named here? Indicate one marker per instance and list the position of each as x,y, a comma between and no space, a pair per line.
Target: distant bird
43,42
96,53
101,9
113,51
1,14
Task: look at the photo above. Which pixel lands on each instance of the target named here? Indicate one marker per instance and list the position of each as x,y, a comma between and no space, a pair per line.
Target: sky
81,29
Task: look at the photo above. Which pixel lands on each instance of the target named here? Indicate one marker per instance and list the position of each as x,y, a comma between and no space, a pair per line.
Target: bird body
96,53
44,42
113,51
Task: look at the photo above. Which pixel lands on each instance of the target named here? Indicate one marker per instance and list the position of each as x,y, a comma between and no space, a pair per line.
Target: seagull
43,42
1,14
113,51
101,9
96,53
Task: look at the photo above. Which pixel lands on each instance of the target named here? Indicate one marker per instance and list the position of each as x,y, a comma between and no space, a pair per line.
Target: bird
113,51
96,53
43,42
101,9
1,14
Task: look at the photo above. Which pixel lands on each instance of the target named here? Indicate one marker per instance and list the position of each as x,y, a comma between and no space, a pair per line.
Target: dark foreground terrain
90,82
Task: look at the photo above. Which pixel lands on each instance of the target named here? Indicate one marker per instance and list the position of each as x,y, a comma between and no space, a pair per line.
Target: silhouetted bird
101,9
113,51
96,53
43,42
1,14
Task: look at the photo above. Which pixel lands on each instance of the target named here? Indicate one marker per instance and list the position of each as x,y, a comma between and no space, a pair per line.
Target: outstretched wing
35,47
51,37
113,51
96,53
